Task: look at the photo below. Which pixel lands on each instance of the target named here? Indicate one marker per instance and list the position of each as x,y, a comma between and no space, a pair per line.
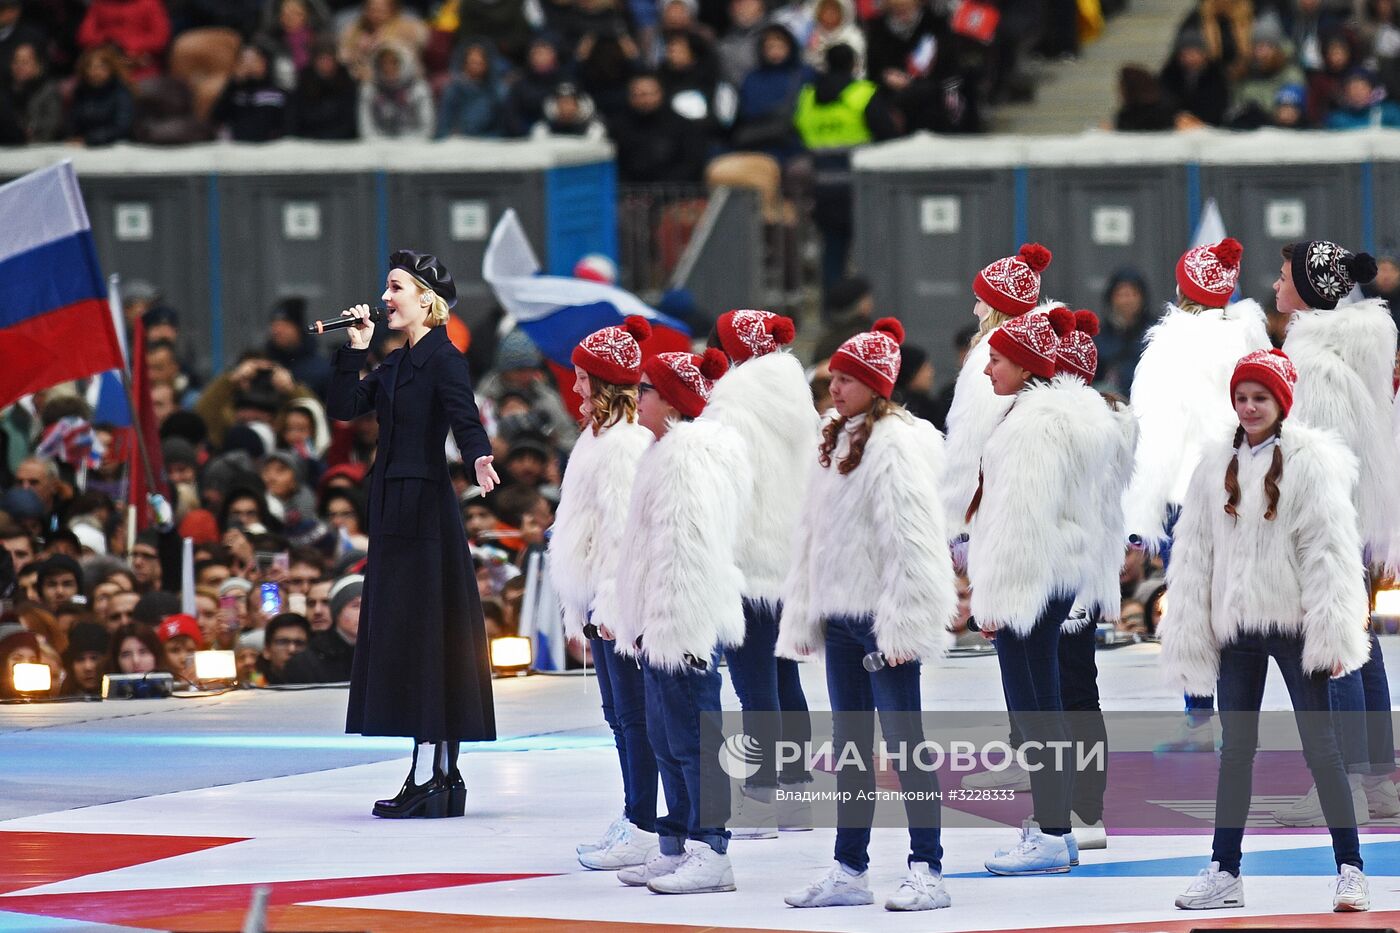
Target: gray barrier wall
931,211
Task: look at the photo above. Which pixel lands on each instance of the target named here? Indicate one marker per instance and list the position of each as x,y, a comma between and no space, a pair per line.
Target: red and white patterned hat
1031,341
1208,274
685,380
872,357
1077,354
1012,285
614,354
1273,370
746,334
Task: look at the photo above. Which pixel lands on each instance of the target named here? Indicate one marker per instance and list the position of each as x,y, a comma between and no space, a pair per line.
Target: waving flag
72,440
557,311
54,324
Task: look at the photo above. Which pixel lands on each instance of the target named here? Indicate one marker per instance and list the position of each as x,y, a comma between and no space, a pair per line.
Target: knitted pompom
638,326
891,326
713,364
1086,322
1061,319
1362,267
1228,251
781,329
1035,256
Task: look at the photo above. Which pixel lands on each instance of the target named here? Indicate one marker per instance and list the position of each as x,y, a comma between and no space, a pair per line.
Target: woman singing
421,663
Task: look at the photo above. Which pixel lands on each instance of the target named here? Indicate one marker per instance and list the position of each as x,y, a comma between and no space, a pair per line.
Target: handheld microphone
376,314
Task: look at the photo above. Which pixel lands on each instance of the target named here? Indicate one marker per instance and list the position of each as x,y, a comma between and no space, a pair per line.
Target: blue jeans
894,691
770,692
1079,695
623,691
1244,666
1030,680
1361,708
675,701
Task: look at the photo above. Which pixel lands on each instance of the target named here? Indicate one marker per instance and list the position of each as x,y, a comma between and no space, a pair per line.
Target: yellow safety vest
837,125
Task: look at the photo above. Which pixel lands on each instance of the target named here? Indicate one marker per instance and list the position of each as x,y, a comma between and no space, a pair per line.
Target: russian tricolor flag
54,320
557,311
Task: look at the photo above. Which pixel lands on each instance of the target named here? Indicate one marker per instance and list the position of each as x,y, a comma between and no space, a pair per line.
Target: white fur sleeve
800,631
1190,654
974,414
614,492
1162,421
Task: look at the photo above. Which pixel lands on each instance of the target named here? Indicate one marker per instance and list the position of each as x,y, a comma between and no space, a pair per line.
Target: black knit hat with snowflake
1325,273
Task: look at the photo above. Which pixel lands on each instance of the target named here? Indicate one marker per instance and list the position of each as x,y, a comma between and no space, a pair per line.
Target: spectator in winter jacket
1271,68
324,105
16,29
395,103
502,23
472,103
768,97
654,143
605,65
379,22
569,112
1198,85
688,79
738,47
908,53
140,28
544,70
1143,105
1121,329
289,345
252,107
1325,84
100,112
289,34
34,100
1363,104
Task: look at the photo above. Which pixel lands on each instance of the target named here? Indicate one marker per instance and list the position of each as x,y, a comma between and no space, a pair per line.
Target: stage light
511,654
1387,604
215,665
33,678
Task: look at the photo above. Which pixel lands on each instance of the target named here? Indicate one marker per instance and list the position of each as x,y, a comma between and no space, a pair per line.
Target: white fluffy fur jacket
1300,573
873,541
768,402
1181,395
974,414
1038,530
588,526
1345,360
1100,592
677,584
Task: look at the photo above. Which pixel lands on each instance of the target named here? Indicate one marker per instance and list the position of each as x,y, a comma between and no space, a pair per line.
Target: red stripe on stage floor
28,859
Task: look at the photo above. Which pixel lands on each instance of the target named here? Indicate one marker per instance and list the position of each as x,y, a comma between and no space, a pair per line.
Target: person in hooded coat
325,102
395,102
768,97
252,107
473,101
544,70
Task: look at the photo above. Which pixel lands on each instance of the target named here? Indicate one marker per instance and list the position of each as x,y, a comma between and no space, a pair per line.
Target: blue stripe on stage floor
1381,858
32,923
331,743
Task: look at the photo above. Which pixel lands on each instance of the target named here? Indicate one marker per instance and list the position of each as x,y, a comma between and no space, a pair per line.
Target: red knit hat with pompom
684,380
747,334
1031,340
1012,285
1076,353
1273,370
1208,274
872,357
614,354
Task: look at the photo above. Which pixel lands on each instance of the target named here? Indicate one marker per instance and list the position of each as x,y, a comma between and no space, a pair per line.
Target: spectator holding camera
254,390
520,372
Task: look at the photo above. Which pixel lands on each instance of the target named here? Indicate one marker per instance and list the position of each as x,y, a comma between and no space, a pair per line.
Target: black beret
426,268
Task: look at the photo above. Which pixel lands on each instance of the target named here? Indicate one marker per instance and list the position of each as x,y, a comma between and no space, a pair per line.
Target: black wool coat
422,667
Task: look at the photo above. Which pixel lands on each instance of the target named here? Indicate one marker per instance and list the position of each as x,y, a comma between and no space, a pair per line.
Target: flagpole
114,303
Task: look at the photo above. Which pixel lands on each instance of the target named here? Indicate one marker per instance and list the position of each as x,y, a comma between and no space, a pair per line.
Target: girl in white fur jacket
1268,564
871,587
679,603
583,551
766,399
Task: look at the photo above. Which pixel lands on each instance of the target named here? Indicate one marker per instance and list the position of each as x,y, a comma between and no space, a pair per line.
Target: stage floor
166,814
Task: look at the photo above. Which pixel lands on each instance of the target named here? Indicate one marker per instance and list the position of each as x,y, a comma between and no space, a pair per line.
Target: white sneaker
1307,809
794,812
1352,891
704,871
921,889
1213,889
608,837
1189,738
755,817
659,865
1012,777
1091,836
1382,801
633,846
837,888
1071,843
1036,854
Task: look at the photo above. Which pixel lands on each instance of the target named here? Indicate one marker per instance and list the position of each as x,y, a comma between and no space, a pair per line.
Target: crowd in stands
1292,64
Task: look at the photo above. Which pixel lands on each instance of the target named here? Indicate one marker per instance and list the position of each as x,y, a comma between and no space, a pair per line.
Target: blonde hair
611,403
991,322
437,311
1189,305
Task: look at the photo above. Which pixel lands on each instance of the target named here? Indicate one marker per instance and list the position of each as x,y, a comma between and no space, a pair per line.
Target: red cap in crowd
872,357
1273,370
685,380
1076,353
1012,285
180,624
1032,340
614,354
747,334
1208,274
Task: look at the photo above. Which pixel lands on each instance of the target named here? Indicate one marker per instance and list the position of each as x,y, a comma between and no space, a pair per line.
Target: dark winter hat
178,450
516,351
872,357
844,293
745,334
240,437
21,503
185,424
1325,273
160,314
1032,341
614,354
292,310
685,380
153,607
428,271
911,359
1273,370
60,563
86,637
345,589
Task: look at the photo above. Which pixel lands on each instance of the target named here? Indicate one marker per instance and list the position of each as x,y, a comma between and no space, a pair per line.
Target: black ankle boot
450,792
408,798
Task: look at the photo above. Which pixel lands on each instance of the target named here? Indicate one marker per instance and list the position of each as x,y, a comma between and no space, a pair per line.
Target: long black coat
421,663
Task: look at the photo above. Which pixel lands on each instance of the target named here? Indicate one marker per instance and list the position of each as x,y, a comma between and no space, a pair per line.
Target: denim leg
682,696
1030,677
797,724
1346,698
1309,693
897,697
1244,666
639,762
1079,695
1380,731
853,727
753,669
672,828
603,662
1198,709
